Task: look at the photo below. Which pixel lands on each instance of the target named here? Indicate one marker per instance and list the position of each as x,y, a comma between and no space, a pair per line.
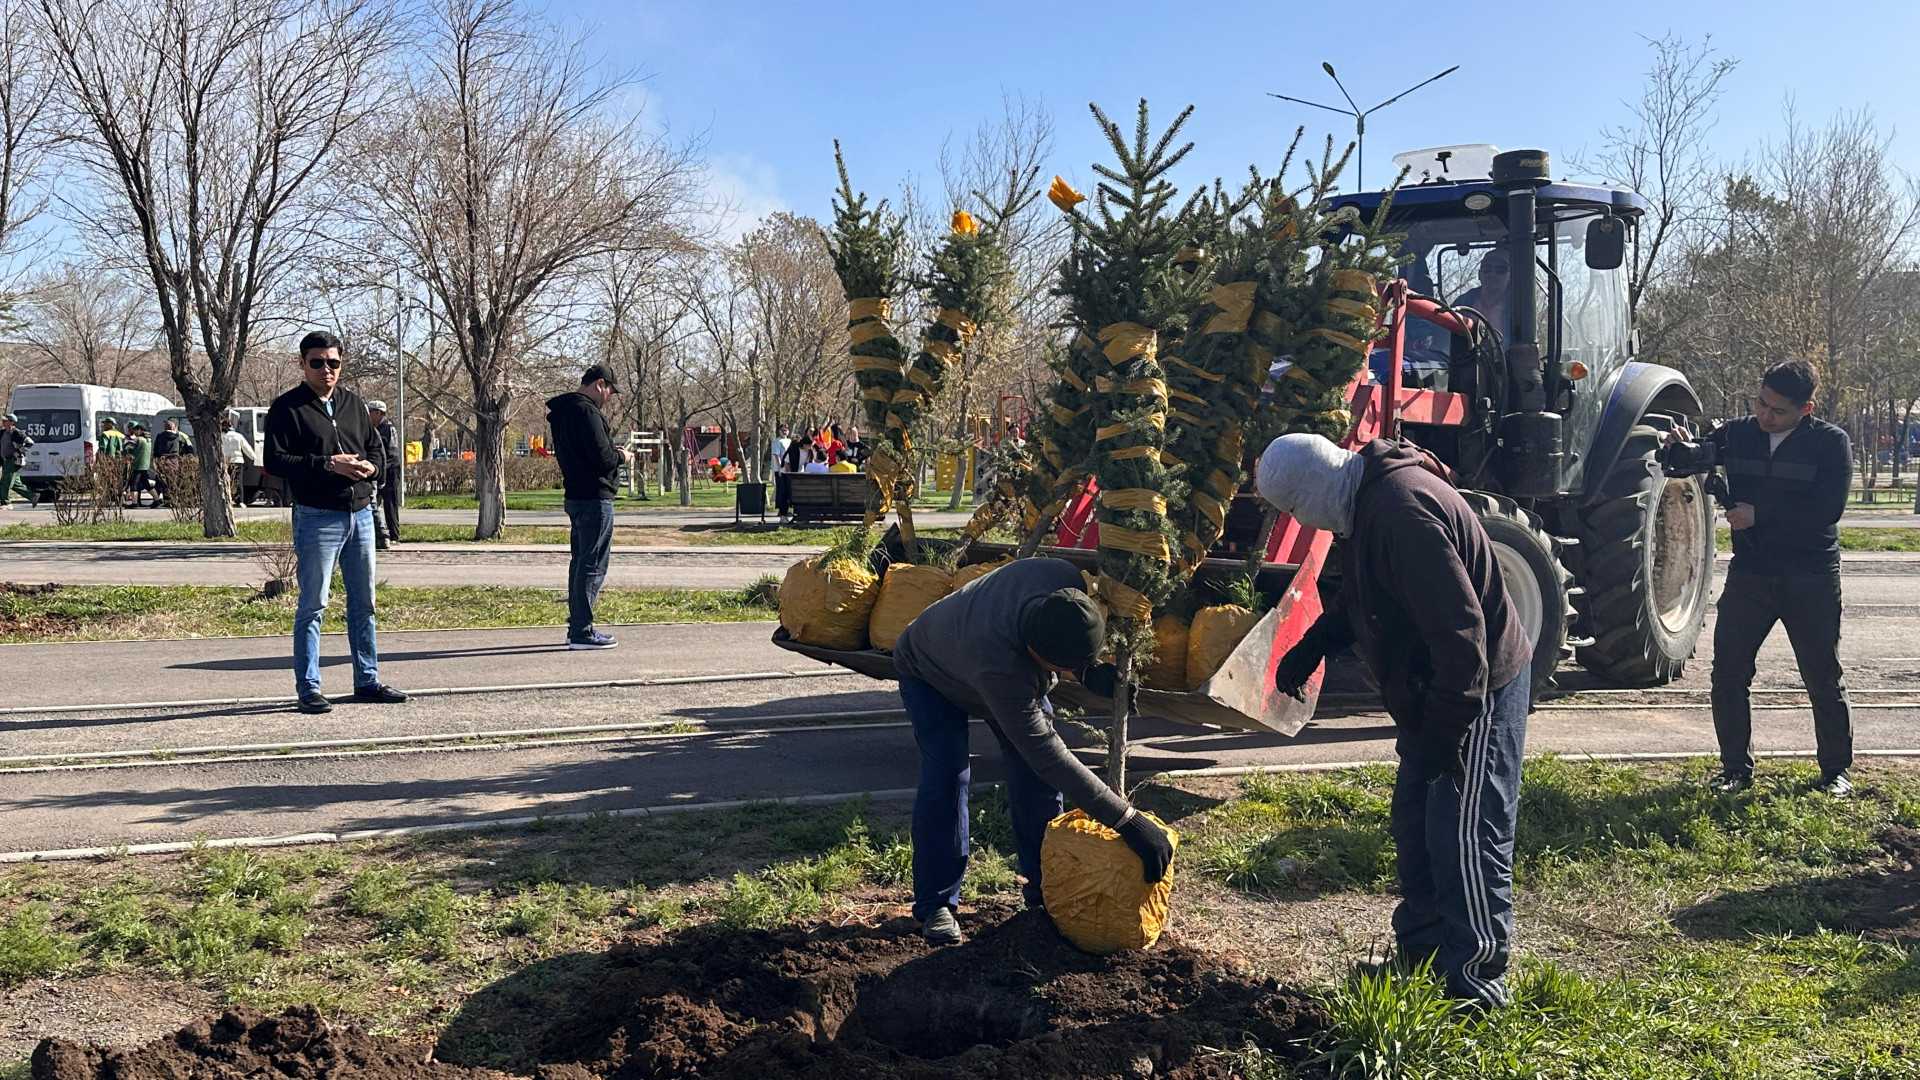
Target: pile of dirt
1886,905
871,1002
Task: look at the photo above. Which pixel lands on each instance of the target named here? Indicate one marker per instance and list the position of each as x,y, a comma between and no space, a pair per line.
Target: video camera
1697,459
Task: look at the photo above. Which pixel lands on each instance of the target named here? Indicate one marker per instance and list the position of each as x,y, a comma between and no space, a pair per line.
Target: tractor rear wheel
1648,572
1536,582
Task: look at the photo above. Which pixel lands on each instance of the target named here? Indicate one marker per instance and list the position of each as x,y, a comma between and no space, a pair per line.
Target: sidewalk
19,513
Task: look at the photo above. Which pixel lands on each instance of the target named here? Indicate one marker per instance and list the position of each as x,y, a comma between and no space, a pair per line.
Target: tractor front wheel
1648,573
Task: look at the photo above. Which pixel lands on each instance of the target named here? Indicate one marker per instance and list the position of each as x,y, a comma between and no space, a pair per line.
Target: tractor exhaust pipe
1531,439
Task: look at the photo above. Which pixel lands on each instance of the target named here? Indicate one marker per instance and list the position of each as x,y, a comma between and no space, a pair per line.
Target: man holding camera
1787,477
590,463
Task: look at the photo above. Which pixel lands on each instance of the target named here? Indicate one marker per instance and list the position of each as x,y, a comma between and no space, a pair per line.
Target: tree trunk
489,468
959,477
1117,730
683,464
216,493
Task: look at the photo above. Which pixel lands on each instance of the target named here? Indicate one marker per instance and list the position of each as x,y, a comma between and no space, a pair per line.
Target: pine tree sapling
866,245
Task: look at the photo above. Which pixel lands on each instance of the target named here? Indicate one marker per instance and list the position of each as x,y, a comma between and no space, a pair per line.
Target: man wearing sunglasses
322,443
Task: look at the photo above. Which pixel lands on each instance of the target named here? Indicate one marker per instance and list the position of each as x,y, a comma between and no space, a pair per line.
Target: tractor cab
1554,297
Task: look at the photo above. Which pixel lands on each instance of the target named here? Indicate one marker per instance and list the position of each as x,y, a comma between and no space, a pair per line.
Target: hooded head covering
1064,629
1312,479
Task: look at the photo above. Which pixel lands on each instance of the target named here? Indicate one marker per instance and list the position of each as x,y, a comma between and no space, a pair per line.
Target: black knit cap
1064,629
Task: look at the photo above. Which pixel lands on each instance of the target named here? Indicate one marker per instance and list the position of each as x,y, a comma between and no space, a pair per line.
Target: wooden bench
814,497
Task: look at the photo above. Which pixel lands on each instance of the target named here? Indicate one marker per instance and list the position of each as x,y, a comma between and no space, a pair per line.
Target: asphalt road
737,739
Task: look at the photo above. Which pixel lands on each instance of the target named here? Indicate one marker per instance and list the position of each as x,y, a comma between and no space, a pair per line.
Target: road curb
885,795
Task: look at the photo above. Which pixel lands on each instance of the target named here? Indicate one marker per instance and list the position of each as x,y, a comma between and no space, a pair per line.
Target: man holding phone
322,442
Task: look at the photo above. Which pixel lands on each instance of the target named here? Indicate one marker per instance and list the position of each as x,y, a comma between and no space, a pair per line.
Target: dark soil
835,1002
1886,905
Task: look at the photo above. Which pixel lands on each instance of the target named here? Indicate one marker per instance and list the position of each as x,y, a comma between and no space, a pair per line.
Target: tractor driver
1489,298
993,649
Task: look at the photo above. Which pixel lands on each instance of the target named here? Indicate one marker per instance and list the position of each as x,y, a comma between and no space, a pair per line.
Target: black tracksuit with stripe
1786,569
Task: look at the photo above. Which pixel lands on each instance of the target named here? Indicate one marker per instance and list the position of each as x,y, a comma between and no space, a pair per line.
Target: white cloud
741,189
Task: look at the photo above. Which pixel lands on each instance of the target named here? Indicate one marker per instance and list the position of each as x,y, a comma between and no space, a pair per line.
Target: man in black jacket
1422,599
1788,475
321,442
590,464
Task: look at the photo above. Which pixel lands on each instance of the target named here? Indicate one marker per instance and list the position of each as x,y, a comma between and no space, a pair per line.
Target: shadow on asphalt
154,718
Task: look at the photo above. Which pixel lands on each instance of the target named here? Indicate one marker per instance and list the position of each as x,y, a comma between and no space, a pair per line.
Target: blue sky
769,85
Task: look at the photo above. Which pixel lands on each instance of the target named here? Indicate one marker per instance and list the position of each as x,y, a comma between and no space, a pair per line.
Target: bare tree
506,177
204,124
25,90
90,324
1662,154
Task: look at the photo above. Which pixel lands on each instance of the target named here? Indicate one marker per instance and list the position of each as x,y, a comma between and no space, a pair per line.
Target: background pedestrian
590,466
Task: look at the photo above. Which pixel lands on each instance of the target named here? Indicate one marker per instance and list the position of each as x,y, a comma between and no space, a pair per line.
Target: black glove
1291,674
1149,841
1102,679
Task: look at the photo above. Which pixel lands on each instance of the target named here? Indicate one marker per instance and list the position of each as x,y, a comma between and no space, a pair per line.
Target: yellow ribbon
1229,445
1338,338
1114,431
1187,416
1188,254
1271,326
1064,416
1085,343
902,397
1143,387
956,322
1182,395
1067,376
869,307
1122,599
1207,375
1221,483
877,393
1125,340
867,331
1356,281
1235,302
1166,458
875,363
1340,305
1134,541
923,380
1127,453
1210,509
1134,499
935,347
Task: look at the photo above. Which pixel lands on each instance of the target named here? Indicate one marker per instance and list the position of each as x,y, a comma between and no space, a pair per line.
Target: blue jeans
320,539
941,838
592,541
1454,846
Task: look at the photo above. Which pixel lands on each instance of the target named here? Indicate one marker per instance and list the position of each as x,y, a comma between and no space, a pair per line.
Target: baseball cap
598,372
10,416
1064,628
376,405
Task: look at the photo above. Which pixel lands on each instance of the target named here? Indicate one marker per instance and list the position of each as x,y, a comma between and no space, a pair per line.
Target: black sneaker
1838,786
378,692
1730,783
315,702
942,928
592,639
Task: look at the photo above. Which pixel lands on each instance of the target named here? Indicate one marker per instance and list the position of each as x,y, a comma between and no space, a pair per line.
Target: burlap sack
1216,632
977,571
1094,886
828,607
1169,668
905,592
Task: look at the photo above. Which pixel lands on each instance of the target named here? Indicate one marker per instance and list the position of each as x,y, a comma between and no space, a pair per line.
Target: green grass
1855,538
98,612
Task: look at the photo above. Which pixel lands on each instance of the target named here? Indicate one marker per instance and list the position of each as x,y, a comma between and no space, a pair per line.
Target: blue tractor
1607,557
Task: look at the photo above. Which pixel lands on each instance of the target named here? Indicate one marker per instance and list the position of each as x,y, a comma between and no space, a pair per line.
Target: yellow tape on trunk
867,331
1235,302
1134,499
1122,599
869,307
1125,340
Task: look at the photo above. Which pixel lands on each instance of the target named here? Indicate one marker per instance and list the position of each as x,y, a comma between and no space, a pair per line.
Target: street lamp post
400,379
1360,115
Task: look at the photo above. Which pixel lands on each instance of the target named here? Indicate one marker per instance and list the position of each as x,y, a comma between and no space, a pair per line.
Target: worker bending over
1422,598
993,649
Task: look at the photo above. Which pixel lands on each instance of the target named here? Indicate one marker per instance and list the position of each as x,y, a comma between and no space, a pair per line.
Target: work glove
1291,674
1102,679
1149,841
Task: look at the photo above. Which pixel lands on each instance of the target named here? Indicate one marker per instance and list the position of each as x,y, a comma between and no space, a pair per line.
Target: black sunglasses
319,362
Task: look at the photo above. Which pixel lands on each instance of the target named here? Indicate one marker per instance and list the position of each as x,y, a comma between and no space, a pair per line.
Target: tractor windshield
1595,330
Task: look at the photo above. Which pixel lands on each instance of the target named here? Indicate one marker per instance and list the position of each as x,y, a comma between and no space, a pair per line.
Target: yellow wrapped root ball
1216,632
1094,887
967,574
828,606
1169,668
905,592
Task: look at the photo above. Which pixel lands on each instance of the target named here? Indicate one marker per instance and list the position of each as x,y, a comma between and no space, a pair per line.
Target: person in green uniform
140,467
112,442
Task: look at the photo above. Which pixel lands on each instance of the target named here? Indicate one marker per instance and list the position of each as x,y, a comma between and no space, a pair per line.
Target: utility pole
1360,115
400,379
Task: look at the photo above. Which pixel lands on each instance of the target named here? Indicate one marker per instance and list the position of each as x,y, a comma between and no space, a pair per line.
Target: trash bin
749,499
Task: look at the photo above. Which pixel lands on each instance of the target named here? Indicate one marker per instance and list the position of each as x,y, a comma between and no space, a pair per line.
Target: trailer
1240,696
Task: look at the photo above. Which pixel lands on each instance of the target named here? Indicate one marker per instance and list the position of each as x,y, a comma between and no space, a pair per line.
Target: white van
250,423
64,421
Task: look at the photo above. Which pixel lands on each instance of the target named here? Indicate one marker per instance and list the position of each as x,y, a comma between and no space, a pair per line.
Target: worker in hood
1423,602
993,649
